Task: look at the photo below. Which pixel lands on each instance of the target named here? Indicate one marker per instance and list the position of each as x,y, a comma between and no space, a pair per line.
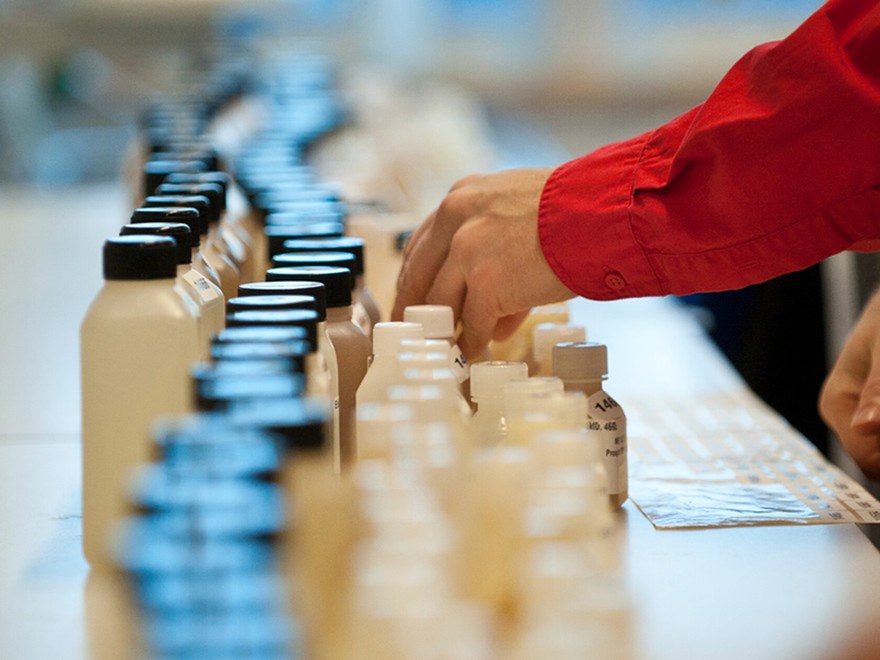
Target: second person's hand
479,253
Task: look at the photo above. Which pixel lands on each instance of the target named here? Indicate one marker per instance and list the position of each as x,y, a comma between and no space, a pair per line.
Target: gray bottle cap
580,361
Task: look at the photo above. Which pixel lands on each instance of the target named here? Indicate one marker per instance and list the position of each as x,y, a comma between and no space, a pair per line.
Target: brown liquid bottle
351,345
582,367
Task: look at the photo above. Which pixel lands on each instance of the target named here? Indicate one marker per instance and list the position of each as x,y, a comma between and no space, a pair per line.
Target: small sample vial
544,337
488,426
582,368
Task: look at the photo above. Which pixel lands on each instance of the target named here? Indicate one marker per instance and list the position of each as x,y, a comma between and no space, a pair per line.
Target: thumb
865,424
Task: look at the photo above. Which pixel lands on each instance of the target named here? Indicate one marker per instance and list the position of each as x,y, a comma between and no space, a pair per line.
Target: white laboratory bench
765,592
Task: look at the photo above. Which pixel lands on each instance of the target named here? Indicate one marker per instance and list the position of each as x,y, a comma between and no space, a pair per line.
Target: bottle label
607,421
459,364
201,286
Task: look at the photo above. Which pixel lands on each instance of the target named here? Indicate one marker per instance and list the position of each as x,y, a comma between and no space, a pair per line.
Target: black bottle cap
215,391
189,149
350,244
188,215
245,367
151,545
339,259
199,202
292,211
180,232
302,318
174,595
301,423
278,234
140,258
269,302
219,178
292,353
155,171
287,287
338,281
267,200
260,333
205,443
213,191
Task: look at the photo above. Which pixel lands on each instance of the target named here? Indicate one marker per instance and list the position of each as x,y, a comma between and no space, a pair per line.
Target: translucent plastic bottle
137,342
196,205
355,246
206,297
384,370
214,250
359,314
518,346
488,426
176,212
517,400
583,367
226,243
229,222
544,337
351,345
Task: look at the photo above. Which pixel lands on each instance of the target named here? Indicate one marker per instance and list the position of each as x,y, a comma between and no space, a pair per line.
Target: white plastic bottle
205,296
582,368
439,323
488,426
138,341
384,371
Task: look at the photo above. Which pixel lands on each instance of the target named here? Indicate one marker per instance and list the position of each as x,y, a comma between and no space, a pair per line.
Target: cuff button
614,280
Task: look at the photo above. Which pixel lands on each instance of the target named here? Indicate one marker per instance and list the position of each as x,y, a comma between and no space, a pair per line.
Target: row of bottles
329,458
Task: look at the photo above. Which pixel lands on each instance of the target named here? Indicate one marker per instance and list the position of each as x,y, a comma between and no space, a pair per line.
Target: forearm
774,172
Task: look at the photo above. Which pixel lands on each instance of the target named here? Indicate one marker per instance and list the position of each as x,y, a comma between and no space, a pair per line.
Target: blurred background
555,79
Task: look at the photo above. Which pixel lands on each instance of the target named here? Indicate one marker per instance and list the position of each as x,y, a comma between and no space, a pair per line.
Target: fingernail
869,414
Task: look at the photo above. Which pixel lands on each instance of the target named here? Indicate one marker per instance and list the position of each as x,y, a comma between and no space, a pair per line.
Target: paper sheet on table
728,461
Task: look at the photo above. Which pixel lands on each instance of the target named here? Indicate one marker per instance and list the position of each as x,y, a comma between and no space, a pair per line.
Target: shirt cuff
585,228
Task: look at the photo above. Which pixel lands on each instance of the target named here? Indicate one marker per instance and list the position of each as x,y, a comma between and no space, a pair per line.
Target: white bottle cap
437,320
580,361
546,335
388,336
488,378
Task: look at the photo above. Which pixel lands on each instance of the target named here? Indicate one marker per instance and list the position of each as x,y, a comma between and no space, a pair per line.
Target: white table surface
774,592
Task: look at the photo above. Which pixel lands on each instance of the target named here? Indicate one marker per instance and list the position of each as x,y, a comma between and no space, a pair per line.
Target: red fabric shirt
778,169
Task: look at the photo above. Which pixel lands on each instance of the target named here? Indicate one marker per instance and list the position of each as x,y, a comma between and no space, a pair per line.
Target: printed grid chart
729,461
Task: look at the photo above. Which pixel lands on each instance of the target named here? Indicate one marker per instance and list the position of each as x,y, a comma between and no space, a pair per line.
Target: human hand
479,253
850,398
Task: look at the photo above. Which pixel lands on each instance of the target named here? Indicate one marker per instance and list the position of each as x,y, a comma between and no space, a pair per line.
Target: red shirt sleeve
778,169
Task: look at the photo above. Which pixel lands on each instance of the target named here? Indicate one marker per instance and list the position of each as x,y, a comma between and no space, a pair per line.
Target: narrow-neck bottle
583,367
